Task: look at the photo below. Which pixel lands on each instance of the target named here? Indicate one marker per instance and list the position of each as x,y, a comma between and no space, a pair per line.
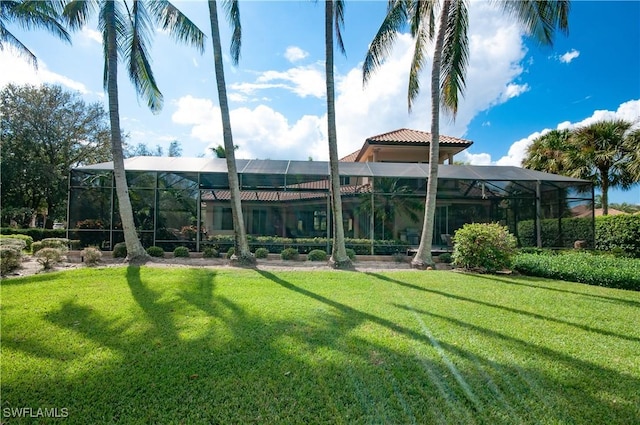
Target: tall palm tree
606,153
339,258
548,152
242,252
126,30
449,66
30,14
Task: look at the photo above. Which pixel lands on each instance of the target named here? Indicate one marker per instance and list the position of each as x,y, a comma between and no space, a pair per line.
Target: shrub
28,240
231,252
445,258
209,252
61,244
36,233
584,267
155,251
289,254
351,254
483,246
262,253
10,258
317,255
620,233
120,250
91,255
181,252
48,257
16,243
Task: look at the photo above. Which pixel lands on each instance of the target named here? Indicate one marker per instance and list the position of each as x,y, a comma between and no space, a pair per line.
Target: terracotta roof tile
406,136
351,157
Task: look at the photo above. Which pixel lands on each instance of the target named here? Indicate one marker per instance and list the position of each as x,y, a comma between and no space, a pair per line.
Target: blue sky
516,89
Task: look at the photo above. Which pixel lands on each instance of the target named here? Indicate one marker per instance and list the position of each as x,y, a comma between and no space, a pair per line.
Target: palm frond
540,17
380,47
7,37
139,66
455,57
178,25
338,7
32,14
418,61
77,12
232,10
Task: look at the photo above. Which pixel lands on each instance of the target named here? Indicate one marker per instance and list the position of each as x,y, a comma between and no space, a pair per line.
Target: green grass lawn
192,346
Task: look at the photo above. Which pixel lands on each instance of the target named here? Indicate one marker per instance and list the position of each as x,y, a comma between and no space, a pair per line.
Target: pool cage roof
275,172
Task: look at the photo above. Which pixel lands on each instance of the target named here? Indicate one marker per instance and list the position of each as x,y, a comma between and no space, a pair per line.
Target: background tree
220,152
334,9
608,154
45,132
142,149
242,252
30,14
126,31
448,70
548,152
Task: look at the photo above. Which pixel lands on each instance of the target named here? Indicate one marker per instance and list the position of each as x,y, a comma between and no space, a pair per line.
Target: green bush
181,252
16,243
28,240
61,244
445,257
483,246
584,267
10,258
317,255
231,252
120,250
262,253
35,232
351,254
48,257
209,252
289,254
155,251
91,255
620,233
556,233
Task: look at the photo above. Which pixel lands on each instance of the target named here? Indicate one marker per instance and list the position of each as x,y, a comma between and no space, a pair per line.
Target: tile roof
406,136
351,157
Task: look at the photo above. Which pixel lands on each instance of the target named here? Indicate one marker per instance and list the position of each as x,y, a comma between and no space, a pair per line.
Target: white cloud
496,55
16,70
629,111
569,56
294,54
92,35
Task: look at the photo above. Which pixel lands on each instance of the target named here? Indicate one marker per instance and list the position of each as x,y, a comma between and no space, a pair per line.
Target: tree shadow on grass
507,308
193,353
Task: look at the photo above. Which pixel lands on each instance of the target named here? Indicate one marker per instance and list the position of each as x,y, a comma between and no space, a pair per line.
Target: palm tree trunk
423,257
604,177
339,258
135,250
242,251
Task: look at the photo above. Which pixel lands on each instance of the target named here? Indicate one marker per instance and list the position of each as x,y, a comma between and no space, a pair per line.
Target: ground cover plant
582,266
196,345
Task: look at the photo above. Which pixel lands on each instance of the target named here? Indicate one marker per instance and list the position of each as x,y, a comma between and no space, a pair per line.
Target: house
184,201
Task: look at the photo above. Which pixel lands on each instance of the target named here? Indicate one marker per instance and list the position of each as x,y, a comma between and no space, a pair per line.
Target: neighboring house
383,190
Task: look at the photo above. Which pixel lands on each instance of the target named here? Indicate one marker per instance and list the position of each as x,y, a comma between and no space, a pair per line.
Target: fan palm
606,153
450,58
334,10
242,251
30,14
548,152
126,30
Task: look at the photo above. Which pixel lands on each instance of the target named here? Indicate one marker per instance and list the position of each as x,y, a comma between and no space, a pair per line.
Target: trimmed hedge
613,233
35,232
181,252
583,267
619,232
28,240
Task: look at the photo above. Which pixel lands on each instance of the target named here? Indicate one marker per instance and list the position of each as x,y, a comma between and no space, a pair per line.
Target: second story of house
406,145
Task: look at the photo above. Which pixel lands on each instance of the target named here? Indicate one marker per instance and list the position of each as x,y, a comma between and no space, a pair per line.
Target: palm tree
449,66
339,258
30,14
242,252
548,152
606,153
126,30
